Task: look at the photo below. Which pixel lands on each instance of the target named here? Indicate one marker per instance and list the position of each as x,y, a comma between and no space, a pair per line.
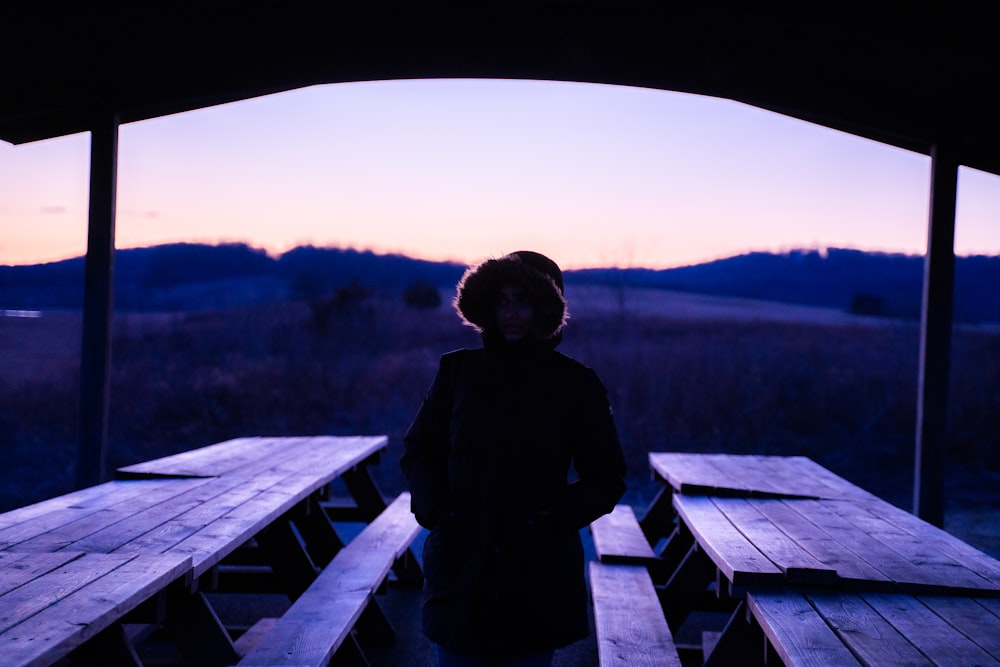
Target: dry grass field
684,372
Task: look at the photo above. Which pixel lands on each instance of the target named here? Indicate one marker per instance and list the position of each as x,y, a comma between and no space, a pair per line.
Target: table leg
659,518
741,643
407,570
109,647
687,587
196,630
322,541
672,554
287,556
362,488
373,625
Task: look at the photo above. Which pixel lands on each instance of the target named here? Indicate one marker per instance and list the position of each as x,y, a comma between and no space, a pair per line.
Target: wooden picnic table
198,508
773,526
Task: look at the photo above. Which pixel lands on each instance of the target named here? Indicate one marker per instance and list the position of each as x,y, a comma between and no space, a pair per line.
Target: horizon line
273,254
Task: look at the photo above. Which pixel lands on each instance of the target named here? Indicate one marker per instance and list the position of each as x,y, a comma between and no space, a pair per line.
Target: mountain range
187,276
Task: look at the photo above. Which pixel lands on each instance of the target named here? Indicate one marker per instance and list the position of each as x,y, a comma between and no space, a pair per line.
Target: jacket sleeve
426,449
597,459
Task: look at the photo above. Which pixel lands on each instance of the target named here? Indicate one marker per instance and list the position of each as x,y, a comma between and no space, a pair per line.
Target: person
513,451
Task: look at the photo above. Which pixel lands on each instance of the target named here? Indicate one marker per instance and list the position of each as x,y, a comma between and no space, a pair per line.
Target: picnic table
160,532
788,547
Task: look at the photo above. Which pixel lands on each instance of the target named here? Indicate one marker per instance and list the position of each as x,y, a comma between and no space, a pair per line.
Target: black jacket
489,459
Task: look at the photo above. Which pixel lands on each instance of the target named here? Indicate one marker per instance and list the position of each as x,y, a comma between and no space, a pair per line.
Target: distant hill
193,276
868,283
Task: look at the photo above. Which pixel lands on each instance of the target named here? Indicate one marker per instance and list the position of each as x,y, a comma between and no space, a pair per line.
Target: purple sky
592,175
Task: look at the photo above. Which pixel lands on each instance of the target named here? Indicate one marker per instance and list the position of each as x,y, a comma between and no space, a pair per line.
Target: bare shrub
844,395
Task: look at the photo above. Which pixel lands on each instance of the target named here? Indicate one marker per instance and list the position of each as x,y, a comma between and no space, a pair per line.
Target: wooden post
98,303
935,339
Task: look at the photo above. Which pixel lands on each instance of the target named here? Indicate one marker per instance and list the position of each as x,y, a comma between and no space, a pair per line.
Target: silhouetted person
488,458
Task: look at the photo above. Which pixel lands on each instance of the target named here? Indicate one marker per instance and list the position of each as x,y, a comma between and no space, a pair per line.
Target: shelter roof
910,76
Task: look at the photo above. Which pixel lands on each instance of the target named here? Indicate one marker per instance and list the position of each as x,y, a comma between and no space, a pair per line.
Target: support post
935,339
98,303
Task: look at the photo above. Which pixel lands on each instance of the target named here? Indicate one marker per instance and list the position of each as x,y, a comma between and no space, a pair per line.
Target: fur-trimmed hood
540,278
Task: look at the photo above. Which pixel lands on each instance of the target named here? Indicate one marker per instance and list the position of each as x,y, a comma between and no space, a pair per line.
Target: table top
251,456
40,592
772,541
751,475
822,627
203,517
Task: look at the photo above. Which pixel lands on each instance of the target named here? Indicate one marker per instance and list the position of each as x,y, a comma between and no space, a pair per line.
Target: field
684,373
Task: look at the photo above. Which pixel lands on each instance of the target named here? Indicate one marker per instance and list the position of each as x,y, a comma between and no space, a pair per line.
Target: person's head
517,297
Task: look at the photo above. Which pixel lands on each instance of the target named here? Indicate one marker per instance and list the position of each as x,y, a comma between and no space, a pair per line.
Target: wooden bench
618,538
814,627
320,621
629,622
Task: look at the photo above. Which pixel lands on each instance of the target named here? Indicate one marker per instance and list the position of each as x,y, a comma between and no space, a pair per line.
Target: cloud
55,210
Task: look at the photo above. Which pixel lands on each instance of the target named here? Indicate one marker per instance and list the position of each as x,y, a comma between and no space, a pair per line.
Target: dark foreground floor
411,648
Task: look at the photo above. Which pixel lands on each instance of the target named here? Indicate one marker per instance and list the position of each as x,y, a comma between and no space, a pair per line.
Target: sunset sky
592,175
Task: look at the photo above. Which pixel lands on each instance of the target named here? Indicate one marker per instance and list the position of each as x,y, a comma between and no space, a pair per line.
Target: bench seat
317,624
631,628
618,538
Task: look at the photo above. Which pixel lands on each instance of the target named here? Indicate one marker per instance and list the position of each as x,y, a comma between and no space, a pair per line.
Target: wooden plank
809,533
33,596
866,633
57,514
618,538
799,635
228,494
935,569
767,475
932,635
76,603
834,486
246,455
209,461
17,569
751,475
977,619
908,575
803,477
693,473
245,643
92,498
735,556
972,558
799,566
315,626
628,620
122,520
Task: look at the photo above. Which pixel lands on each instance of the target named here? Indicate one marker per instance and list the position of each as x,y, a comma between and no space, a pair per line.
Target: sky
462,170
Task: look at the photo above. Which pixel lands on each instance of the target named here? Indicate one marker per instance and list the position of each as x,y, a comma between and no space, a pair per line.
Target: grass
682,375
